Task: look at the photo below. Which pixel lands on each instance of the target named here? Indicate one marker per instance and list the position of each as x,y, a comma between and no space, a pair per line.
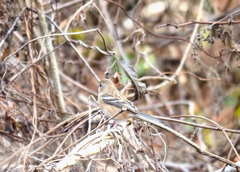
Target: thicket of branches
54,53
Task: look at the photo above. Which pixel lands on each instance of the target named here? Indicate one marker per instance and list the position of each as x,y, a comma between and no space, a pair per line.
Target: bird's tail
148,118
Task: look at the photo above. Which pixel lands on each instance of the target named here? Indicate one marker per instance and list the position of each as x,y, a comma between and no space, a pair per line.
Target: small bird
111,102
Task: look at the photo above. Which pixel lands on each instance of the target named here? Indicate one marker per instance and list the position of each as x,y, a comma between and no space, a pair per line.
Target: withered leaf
227,40
139,88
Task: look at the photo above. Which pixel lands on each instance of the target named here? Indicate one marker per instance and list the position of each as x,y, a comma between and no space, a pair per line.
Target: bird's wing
119,102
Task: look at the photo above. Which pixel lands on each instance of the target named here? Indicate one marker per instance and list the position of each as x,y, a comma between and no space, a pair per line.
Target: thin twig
12,27
27,67
63,5
76,13
76,50
185,55
195,22
197,125
77,83
220,127
148,31
46,36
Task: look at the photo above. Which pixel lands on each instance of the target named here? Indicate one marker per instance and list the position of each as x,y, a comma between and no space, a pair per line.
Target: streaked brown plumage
111,102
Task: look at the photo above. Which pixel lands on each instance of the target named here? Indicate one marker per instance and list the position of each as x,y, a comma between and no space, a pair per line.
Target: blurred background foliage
218,100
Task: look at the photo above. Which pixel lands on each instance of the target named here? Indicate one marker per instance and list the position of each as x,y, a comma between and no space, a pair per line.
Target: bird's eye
100,85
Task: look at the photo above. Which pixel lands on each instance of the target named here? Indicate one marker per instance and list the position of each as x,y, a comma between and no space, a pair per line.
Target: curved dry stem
220,128
184,138
57,89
